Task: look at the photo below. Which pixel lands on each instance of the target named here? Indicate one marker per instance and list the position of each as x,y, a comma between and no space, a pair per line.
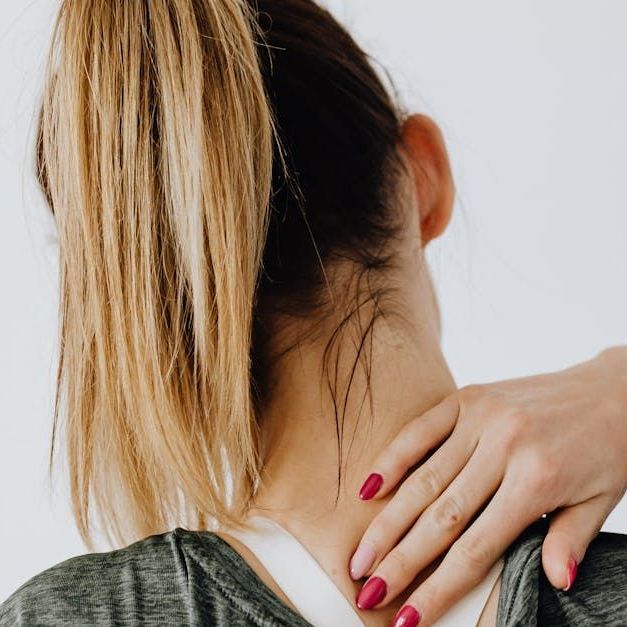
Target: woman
247,321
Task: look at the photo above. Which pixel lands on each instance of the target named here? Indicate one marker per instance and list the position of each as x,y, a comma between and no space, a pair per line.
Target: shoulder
107,587
599,595
180,577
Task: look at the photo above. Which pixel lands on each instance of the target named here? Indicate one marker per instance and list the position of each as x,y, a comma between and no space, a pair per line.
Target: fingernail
571,570
362,559
371,593
371,486
407,616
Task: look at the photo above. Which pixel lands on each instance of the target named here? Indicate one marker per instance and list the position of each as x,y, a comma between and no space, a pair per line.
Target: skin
550,443
409,378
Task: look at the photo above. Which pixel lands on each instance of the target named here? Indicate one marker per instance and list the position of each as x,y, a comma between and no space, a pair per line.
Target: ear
425,149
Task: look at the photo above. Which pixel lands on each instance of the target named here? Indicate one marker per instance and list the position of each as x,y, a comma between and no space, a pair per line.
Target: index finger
409,446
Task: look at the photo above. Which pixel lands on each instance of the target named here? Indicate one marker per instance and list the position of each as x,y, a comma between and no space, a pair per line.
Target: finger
472,556
409,615
570,532
409,446
415,494
437,528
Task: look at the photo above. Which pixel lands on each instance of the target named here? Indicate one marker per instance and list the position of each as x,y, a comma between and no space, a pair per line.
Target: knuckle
535,477
397,561
383,526
472,392
514,428
479,404
473,555
447,514
518,420
425,484
540,470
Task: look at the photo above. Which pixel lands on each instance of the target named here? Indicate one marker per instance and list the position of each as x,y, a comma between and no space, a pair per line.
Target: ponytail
154,151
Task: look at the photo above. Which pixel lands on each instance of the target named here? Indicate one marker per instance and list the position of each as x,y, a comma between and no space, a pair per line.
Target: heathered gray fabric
598,597
176,578
195,578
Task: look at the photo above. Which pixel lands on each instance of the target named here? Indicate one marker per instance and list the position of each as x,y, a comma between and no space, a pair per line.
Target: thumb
570,532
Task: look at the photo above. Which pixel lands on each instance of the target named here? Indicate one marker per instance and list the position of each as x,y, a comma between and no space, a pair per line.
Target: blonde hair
154,152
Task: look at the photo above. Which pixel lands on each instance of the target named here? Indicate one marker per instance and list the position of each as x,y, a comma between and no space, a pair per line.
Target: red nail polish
371,486
407,616
372,593
571,569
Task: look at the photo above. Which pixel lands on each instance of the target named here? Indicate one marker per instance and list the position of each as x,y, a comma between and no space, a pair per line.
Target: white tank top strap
298,574
313,592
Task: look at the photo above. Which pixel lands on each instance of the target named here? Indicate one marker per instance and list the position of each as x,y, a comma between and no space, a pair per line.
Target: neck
301,426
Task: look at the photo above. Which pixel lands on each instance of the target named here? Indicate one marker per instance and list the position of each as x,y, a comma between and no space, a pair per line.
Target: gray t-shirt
195,578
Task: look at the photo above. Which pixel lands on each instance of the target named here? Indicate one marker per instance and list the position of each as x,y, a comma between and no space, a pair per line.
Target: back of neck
310,482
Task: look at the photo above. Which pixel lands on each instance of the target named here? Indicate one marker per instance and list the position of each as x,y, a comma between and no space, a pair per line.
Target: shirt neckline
266,602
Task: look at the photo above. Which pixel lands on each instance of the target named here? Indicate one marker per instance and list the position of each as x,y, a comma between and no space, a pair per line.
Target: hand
525,447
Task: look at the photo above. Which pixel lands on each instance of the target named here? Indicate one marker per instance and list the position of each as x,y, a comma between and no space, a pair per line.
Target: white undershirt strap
314,593
298,574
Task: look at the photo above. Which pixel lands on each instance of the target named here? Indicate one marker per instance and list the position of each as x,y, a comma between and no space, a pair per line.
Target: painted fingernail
371,486
362,560
571,571
371,593
407,616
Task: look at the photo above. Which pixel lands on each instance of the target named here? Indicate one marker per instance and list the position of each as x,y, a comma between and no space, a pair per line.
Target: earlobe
426,151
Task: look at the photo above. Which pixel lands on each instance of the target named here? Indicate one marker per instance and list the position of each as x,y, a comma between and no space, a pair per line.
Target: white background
532,99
